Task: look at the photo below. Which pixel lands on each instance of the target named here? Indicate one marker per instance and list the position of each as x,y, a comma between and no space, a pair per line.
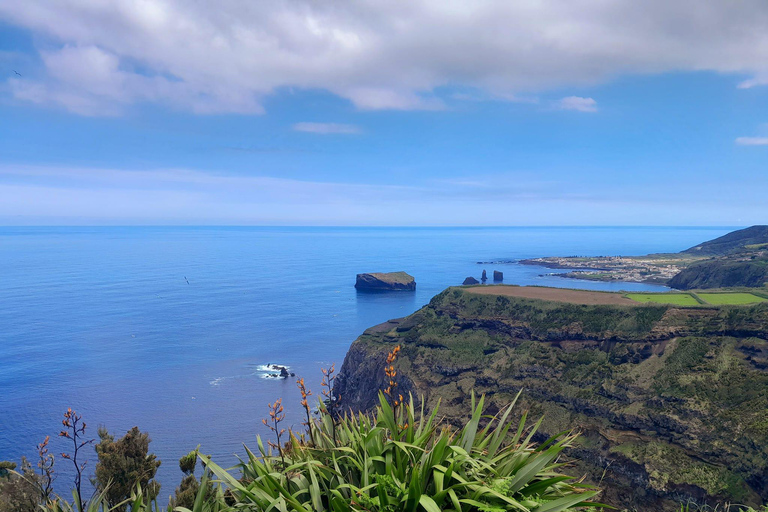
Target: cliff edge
671,401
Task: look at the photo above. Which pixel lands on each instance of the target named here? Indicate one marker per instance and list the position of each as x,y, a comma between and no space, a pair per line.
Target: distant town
656,269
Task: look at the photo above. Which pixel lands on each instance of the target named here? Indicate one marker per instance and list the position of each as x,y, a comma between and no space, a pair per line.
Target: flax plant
410,461
276,415
45,463
74,430
329,410
391,374
305,394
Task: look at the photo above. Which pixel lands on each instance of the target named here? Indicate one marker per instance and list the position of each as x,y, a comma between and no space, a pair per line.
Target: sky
384,113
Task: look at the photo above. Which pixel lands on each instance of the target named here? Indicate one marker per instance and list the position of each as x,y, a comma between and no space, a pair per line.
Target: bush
187,492
19,492
124,464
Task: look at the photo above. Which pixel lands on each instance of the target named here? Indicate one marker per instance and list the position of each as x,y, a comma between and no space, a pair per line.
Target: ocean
170,328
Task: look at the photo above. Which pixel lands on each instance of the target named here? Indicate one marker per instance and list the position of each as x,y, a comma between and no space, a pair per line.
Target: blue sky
351,119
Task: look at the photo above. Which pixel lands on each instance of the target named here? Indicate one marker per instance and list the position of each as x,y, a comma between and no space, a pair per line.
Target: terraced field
730,298
678,299
589,297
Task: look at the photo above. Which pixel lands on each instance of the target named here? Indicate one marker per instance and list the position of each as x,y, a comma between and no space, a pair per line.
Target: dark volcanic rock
284,373
498,276
384,281
470,280
484,277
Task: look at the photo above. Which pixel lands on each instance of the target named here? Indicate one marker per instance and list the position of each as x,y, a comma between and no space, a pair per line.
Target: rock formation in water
385,281
470,280
498,276
284,373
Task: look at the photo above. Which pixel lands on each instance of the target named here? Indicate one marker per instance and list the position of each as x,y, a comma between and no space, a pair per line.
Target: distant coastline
737,259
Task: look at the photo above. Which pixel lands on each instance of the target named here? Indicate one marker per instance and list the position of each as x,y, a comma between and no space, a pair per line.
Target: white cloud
577,103
381,98
101,57
761,79
89,80
752,141
327,128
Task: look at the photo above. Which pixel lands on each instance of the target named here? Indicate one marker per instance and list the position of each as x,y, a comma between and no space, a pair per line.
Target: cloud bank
98,58
37,195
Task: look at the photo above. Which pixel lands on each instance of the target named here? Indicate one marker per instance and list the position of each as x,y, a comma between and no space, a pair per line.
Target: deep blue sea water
103,320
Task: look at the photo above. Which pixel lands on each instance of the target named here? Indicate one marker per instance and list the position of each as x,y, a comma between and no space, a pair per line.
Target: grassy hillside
671,401
739,258
723,273
736,241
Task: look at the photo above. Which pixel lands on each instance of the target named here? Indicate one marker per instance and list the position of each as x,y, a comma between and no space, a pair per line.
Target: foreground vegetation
398,458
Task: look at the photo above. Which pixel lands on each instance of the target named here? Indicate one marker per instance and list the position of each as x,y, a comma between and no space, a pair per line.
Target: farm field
730,298
679,299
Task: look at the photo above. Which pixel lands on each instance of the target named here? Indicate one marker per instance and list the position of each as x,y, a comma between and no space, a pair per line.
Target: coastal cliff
671,401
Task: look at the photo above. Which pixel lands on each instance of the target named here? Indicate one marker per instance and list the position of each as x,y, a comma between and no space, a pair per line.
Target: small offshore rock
484,277
470,280
384,281
284,373
498,276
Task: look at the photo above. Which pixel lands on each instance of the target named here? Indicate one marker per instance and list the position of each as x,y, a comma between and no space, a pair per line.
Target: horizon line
373,226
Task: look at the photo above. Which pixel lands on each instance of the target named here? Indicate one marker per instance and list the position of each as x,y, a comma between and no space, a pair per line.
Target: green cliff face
672,402
723,273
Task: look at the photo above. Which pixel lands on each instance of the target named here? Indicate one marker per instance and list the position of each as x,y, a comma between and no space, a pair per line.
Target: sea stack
470,280
484,277
498,276
385,281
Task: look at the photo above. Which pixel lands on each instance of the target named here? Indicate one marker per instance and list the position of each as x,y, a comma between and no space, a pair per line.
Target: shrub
19,492
124,464
189,489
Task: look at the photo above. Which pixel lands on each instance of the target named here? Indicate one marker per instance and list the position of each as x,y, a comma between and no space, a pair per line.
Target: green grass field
730,298
678,299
